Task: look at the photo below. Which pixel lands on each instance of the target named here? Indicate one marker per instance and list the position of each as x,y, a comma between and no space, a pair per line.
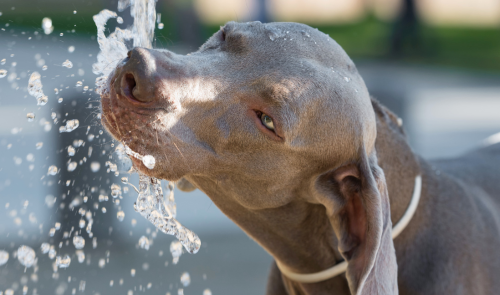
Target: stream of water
154,203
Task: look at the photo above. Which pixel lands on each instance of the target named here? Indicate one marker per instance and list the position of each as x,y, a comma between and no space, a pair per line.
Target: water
151,205
35,88
78,242
185,279
26,256
71,125
30,117
4,257
71,151
120,215
144,243
52,170
63,262
61,242
45,247
67,64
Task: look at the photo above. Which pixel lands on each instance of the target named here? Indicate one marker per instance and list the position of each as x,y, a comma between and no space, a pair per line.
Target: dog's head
262,116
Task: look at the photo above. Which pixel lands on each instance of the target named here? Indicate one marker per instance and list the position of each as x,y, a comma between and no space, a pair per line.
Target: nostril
128,85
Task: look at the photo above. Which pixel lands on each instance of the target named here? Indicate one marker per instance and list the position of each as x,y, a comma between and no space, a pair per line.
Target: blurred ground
446,111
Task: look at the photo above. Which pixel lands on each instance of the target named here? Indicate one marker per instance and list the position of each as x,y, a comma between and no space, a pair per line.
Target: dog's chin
160,170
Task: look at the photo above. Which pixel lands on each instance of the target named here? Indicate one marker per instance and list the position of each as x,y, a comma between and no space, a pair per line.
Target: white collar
342,266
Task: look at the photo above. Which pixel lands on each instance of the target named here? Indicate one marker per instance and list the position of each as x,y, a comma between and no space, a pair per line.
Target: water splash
35,88
152,206
26,256
113,47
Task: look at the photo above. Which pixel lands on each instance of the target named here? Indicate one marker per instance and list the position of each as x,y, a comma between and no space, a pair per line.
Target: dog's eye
267,121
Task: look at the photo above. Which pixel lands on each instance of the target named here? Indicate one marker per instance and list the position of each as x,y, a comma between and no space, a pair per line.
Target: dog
274,123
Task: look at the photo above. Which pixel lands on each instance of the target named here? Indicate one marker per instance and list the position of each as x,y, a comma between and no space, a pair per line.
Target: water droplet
45,247
74,11
71,49
68,64
305,34
103,209
52,170
185,279
2,62
80,255
4,257
161,26
70,126
26,256
102,263
44,68
63,262
47,25
95,166
72,166
57,225
149,161
124,180
35,88
207,292
42,100
347,79
30,117
39,145
52,252
132,272
78,143
144,243
120,215
79,241
79,84
119,20
52,232
60,100
3,73
103,198
176,251
71,151
81,223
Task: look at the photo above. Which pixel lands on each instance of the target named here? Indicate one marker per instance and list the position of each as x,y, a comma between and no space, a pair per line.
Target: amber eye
267,121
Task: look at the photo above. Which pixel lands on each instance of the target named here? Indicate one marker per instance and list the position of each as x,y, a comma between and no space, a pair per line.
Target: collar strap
342,266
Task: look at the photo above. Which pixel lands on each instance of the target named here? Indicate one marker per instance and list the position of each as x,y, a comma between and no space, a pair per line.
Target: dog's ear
357,202
185,186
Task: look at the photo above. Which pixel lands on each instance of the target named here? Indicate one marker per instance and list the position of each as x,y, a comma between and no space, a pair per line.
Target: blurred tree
405,30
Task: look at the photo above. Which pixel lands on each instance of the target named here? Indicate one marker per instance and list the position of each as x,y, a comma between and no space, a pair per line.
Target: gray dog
274,123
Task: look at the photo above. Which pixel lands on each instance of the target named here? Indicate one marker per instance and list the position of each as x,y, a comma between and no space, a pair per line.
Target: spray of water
150,202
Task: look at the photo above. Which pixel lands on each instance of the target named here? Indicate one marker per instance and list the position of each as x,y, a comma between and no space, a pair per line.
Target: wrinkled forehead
282,56
280,43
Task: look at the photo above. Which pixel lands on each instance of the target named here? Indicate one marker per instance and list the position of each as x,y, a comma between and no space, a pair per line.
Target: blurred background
435,63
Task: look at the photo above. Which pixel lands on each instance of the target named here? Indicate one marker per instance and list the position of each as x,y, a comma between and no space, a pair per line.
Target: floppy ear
358,206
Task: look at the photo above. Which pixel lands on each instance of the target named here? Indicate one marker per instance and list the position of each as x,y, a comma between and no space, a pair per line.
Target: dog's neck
306,243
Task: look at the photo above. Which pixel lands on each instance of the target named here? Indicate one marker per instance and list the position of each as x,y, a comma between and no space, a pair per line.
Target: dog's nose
138,78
